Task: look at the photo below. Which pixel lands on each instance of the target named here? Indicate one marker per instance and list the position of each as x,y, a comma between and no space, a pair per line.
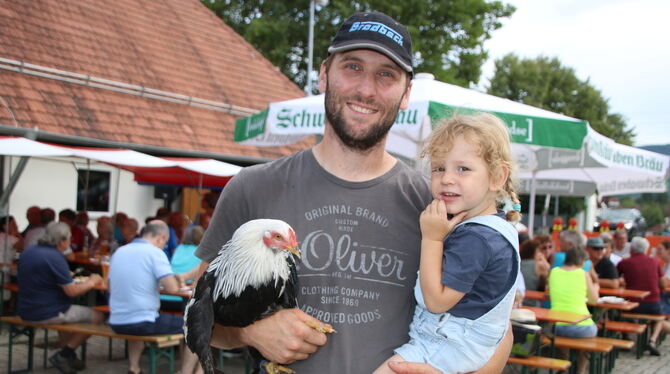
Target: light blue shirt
134,274
559,259
183,260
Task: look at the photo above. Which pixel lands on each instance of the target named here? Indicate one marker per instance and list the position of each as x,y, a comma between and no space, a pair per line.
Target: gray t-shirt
360,244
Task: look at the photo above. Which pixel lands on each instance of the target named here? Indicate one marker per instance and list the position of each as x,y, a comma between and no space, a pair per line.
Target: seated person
569,287
546,246
129,229
45,289
664,254
105,244
567,240
135,273
534,266
641,272
608,277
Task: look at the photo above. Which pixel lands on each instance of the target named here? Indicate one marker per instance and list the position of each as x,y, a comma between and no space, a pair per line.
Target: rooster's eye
278,236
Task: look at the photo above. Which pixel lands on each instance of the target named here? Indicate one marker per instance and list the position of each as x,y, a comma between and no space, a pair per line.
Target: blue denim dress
455,344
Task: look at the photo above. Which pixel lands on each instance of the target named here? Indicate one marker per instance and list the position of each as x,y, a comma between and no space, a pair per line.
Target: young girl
569,287
466,279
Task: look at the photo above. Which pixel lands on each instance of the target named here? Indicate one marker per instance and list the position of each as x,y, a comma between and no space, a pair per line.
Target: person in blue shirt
136,272
45,289
567,240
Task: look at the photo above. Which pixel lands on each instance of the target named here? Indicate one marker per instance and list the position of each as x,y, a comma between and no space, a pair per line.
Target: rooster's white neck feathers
246,261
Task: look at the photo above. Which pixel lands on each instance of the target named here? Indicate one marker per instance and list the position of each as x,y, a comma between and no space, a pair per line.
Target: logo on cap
378,28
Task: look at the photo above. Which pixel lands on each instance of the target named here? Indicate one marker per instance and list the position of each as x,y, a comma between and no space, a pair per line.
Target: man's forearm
226,337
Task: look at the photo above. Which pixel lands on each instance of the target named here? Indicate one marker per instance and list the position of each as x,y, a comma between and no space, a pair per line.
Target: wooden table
619,292
626,306
553,316
536,295
624,292
185,292
10,266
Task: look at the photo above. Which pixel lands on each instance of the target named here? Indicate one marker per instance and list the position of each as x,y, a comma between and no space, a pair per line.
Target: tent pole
116,193
531,207
88,174
545,211
13,181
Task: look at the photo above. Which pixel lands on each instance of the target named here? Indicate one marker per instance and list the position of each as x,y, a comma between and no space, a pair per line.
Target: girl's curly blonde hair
490,134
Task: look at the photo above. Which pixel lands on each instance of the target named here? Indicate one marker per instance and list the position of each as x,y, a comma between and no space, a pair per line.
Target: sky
621,46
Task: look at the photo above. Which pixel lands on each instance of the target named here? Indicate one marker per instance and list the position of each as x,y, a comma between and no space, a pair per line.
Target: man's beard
363,142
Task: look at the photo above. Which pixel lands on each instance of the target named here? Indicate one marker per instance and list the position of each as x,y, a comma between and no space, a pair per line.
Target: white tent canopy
147,169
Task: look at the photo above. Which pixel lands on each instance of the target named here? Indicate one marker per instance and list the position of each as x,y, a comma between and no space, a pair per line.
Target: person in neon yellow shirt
569,288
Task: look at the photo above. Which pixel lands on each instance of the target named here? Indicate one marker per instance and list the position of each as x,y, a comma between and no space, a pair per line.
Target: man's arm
170,283
608,283
282,337
74,289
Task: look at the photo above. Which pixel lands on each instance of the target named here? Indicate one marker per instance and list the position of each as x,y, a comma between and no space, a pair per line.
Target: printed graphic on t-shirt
346,269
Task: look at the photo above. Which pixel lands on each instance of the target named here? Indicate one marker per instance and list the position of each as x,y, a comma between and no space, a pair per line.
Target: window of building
93,189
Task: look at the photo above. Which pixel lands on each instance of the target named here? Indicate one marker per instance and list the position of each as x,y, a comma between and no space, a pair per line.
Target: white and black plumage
254,275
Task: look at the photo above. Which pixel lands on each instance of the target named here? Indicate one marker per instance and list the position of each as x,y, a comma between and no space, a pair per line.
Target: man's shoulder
605,261
298,158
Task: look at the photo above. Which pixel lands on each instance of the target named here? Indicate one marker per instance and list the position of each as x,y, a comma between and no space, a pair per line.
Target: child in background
569,287
468,269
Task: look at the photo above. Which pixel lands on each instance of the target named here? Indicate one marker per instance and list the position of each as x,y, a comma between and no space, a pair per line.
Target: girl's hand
434,222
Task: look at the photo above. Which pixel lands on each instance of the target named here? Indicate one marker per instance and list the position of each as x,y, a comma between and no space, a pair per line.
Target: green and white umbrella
556,154
289,121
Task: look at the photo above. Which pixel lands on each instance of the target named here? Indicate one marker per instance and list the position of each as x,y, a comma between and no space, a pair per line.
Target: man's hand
404,367
434,222
94,279
284,337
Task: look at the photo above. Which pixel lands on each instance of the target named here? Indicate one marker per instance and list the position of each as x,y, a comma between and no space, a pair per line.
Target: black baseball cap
376,31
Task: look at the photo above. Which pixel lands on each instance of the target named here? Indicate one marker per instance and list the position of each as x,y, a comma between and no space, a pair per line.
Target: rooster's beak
294,249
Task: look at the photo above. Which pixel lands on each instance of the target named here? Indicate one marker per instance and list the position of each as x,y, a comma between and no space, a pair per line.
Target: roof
175,46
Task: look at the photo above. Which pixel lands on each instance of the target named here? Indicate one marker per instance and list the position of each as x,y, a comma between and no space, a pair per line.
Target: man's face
665,254
364,91
595,254
620,240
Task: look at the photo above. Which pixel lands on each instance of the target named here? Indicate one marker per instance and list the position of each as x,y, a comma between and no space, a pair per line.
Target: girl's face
461,179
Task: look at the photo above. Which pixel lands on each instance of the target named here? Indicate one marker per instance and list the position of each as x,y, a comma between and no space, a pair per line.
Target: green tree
545,83
653,214
448,35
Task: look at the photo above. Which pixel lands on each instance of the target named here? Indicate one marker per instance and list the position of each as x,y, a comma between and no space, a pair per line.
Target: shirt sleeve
608,270
223,223
465,257
60,269
161,265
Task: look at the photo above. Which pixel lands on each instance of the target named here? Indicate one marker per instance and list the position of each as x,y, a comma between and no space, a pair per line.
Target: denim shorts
653,307
577,331
164,324
452,344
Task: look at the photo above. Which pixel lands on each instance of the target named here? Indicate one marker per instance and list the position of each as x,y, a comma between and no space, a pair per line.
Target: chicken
253,276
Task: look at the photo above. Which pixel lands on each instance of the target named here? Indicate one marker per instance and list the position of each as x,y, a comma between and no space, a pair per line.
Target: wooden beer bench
160,346
539,362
